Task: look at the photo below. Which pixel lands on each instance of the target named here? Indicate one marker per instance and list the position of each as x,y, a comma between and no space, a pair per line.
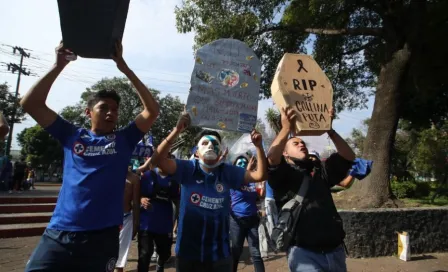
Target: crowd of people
105,202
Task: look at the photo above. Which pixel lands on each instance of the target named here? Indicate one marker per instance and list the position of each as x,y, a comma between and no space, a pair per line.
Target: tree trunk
374,190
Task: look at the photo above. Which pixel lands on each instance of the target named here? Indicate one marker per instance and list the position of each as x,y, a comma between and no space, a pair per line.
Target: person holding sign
4,128
83,233
203,233
318,237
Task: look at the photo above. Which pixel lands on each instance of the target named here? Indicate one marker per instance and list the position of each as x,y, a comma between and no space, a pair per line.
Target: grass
426,202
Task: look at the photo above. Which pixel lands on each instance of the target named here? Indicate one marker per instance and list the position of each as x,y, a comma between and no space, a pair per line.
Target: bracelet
168,141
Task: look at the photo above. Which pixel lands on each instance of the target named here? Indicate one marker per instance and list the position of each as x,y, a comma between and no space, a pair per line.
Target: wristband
168,141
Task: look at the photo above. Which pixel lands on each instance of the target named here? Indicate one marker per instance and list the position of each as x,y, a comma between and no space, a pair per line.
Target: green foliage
422,189
8,103
39,147
403,189
431,155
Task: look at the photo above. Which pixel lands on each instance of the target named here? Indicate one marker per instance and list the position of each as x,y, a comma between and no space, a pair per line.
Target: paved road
14,253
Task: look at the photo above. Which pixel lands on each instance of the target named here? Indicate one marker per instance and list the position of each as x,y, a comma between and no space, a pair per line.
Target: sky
158,54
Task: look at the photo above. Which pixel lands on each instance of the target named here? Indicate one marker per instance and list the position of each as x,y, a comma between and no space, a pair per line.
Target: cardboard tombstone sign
90,28
299,82
225,86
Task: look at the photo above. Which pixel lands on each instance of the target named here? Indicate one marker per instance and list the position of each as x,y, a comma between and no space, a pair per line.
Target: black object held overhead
90,28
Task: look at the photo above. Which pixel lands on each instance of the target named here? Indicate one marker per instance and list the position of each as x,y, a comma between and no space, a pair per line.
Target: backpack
160,192
284,232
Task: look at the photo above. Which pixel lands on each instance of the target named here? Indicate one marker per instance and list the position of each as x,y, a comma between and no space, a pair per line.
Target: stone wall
372,233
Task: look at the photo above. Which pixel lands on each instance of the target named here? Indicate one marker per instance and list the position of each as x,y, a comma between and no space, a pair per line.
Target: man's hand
256,138
183,122
288,117
118,58
224,154
63,56
145,202
251,164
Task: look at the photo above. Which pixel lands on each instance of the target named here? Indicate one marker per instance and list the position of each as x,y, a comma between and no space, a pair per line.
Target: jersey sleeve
184,170
132,134
336,169
234,175
62,130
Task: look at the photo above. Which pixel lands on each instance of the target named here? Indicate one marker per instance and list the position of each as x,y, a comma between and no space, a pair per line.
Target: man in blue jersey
203,233
83,232
158,193
244,219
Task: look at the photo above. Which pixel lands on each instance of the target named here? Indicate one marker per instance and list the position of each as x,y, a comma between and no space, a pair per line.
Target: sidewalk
14,253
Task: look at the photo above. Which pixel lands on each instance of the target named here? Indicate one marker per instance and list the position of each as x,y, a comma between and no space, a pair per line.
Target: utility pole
13,68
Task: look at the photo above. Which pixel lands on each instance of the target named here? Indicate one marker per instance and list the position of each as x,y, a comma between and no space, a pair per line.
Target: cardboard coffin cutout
299,82
90,28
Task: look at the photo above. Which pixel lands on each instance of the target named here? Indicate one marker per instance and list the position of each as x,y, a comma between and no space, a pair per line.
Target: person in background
31,177
83,233
159,192
131,209
271,208
19,174
244,219
4,128
203,243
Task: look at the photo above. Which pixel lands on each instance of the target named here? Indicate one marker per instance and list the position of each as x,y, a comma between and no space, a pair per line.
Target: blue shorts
76,251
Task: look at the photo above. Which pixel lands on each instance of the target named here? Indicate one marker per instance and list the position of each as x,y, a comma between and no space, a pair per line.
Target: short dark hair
205,133
94,98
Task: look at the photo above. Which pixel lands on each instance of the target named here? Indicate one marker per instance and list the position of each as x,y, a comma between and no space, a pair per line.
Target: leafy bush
423,189
403,189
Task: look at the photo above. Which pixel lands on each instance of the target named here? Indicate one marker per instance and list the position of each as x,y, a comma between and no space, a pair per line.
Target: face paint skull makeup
209,147
242,162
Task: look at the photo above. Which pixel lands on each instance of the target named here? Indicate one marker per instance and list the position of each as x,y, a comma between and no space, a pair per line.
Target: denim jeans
303,260
246,228
184,265
146,241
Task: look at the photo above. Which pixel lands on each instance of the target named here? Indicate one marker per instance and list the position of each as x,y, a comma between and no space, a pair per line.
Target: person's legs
163,245
336,259
53,253
263,241
302,260
97,250
224,265
145,250
237,236
183,265
254,248
271,214
125,242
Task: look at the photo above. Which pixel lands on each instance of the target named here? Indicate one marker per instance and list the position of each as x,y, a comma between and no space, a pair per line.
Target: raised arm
160,156
344,150
34,101
150,111
4,128
275,152
260,174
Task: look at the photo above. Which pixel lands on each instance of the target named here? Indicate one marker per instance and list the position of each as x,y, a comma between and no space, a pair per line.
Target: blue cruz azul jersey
203,230
95,167
244,200
162,191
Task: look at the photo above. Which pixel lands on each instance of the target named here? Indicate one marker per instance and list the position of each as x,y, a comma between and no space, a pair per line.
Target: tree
358,137
39,147
358,44
7,105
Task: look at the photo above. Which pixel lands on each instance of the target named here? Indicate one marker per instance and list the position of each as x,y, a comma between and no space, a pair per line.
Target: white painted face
209,147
